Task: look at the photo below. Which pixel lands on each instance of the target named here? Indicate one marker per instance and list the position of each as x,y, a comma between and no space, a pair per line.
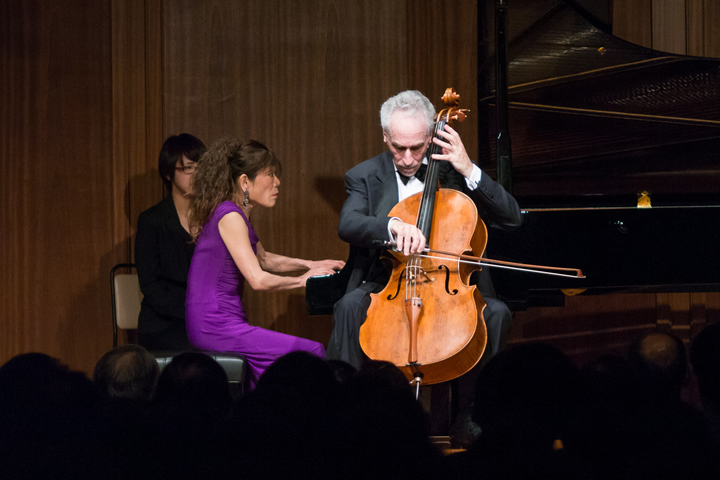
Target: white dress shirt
414,186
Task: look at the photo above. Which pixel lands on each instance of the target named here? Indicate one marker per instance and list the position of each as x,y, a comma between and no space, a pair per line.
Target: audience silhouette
126,377
274,430
191,405
526,404
673,438
50,425
127,372
540,416
375,429
705,361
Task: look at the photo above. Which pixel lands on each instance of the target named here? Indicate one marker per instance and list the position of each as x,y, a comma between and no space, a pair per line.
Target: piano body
594,122
616,166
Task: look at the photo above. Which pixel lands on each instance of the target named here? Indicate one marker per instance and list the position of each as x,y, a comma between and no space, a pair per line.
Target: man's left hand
453,151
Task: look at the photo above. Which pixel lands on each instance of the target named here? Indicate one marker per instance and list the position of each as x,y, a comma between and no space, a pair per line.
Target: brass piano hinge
644,200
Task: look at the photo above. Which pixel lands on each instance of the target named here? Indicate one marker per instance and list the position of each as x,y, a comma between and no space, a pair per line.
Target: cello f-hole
397,291
447,280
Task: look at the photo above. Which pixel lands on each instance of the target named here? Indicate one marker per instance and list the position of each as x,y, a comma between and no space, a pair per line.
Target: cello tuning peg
460,114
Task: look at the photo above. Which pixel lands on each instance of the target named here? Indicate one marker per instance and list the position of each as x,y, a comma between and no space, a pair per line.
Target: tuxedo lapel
385,191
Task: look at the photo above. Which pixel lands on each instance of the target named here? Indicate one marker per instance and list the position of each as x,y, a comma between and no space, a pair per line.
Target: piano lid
591,114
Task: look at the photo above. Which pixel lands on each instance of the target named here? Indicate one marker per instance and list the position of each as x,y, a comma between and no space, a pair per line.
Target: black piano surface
594,121
321,293
619,247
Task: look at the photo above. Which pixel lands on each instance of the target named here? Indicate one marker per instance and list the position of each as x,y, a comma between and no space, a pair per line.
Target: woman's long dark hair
218,170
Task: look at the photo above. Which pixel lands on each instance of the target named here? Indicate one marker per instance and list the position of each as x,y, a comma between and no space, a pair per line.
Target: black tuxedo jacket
373,192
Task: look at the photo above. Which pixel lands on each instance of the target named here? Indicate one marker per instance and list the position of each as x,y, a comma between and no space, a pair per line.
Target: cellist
377,184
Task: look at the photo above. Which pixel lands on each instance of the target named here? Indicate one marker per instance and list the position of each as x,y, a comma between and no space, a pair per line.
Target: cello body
446,335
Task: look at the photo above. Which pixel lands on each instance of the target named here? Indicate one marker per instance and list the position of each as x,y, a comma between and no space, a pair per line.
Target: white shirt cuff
474,179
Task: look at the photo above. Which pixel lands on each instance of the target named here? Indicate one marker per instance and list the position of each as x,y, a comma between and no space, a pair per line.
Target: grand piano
615,162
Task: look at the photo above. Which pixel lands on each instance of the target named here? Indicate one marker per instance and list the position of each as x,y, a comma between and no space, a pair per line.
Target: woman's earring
246,199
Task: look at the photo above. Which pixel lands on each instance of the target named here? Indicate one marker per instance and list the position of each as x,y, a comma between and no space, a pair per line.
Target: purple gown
215,315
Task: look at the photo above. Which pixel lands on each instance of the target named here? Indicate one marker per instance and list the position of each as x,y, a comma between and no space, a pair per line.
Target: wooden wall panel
668,26
711,28
55,119
632,21
307,79
137,117
687,27
588,326
695,28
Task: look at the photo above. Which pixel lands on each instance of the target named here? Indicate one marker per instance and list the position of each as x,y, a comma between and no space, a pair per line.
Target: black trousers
159,333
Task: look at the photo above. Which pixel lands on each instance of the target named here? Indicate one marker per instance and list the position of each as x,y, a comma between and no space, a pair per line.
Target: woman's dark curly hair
218,170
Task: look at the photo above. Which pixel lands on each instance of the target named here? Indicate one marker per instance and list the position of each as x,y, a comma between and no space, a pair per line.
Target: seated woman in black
164,248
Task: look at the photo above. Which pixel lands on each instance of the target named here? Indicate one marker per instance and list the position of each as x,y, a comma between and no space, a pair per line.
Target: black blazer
372,193
163,250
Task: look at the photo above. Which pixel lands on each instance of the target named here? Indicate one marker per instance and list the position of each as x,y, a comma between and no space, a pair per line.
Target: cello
428,320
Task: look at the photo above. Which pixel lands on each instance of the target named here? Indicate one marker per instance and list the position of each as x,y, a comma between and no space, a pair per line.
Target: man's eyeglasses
187,168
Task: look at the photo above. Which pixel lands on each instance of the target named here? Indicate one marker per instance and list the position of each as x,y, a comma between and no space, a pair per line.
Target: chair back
126,301
126,297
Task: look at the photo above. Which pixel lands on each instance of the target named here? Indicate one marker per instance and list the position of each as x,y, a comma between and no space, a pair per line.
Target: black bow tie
420,175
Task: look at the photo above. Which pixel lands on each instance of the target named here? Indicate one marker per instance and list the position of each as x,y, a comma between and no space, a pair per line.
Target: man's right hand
409,238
